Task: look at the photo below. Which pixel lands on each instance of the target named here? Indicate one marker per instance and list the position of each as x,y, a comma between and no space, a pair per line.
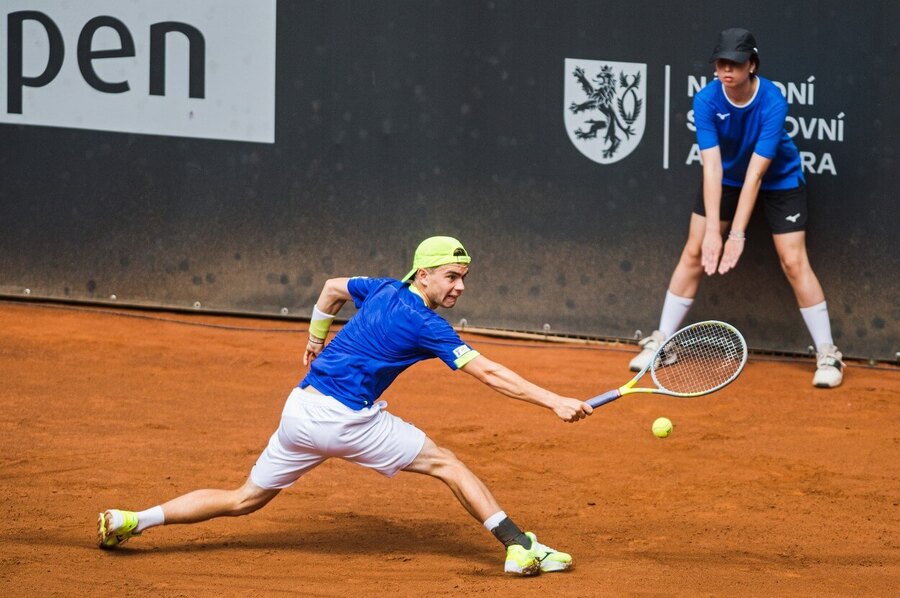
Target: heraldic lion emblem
617,113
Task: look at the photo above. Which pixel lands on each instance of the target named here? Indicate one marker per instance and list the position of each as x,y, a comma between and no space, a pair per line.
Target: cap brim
739,57
410,275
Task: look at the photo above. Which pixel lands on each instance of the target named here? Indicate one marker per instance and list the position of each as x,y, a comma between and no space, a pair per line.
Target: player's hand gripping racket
696,360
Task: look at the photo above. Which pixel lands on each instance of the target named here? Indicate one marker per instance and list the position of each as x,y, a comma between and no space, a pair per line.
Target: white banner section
197,68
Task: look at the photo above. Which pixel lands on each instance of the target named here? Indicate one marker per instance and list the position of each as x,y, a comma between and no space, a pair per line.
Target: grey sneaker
829,367
649,346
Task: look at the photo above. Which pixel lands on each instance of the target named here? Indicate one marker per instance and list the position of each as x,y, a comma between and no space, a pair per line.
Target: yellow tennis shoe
109,536
534,560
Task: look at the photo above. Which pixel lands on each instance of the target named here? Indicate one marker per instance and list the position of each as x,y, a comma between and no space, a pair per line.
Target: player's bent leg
471,492
480,503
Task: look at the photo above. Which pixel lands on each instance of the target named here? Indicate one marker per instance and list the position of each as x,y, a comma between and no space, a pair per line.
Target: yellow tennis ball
662,427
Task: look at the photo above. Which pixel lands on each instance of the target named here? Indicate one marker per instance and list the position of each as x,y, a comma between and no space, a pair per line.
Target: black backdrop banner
397,120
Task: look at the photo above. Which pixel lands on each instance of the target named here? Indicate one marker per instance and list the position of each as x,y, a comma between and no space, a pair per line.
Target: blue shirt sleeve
707,135
360,287
772,128
438,338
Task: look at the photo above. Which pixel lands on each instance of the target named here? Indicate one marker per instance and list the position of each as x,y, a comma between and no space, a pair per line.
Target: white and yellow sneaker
539,558
115,527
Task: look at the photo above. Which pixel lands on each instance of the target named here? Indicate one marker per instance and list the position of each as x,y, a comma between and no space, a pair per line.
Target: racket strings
699,359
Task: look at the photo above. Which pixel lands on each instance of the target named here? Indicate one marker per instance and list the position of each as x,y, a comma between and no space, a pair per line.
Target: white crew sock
674,310
494,520
150,518
816,318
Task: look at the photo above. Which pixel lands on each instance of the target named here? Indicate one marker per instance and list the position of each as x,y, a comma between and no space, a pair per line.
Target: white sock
674,310
494,520
816,318
150,518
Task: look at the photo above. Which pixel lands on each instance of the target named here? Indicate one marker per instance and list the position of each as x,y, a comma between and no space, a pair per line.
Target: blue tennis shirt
392,330
741,131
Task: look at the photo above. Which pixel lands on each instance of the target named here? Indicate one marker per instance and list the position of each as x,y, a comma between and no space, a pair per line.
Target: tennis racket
696,360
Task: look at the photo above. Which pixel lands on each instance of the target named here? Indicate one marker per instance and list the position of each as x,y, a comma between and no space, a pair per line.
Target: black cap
736,45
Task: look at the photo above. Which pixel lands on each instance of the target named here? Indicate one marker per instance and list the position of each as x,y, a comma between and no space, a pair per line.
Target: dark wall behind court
397,120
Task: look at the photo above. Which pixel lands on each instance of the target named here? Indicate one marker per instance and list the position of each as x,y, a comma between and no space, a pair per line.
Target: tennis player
747,155
335,411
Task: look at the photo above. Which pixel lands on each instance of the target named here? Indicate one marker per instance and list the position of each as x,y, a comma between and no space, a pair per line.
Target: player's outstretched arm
332,298
511,384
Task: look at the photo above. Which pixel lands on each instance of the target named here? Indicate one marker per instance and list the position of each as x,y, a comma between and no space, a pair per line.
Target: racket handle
607,397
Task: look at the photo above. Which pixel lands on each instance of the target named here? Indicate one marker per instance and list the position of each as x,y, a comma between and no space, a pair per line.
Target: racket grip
607,397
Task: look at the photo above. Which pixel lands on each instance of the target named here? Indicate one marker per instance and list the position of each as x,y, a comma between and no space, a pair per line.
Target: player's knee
245,507
448,458
245,502
447,465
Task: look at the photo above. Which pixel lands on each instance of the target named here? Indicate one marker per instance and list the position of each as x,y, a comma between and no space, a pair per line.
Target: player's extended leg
680,295
201,505
791,248
115,526
524,554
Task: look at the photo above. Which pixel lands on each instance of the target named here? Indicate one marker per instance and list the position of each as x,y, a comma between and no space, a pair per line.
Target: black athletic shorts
785,208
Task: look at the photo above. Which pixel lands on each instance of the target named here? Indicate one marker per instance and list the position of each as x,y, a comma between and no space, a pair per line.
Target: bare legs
432,460
791,248
687,275
201,505
469,490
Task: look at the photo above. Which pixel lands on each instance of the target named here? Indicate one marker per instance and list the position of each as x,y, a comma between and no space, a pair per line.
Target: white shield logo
604,107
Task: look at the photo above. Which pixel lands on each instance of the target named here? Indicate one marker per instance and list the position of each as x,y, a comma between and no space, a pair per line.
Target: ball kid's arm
712,203
734,247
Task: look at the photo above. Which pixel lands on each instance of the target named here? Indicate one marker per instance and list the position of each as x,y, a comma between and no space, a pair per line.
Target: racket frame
630,388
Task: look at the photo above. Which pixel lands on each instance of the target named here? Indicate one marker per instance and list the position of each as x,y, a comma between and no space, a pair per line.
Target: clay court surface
770,487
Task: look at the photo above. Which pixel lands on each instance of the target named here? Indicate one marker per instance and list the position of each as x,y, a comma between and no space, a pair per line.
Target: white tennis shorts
315,428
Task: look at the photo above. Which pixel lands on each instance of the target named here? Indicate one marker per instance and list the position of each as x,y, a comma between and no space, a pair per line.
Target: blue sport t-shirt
392,330
740,131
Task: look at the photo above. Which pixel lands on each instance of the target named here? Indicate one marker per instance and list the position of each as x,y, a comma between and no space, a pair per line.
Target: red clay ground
768,488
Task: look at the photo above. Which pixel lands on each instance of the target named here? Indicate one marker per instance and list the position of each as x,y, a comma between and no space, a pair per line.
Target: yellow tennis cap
438,251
